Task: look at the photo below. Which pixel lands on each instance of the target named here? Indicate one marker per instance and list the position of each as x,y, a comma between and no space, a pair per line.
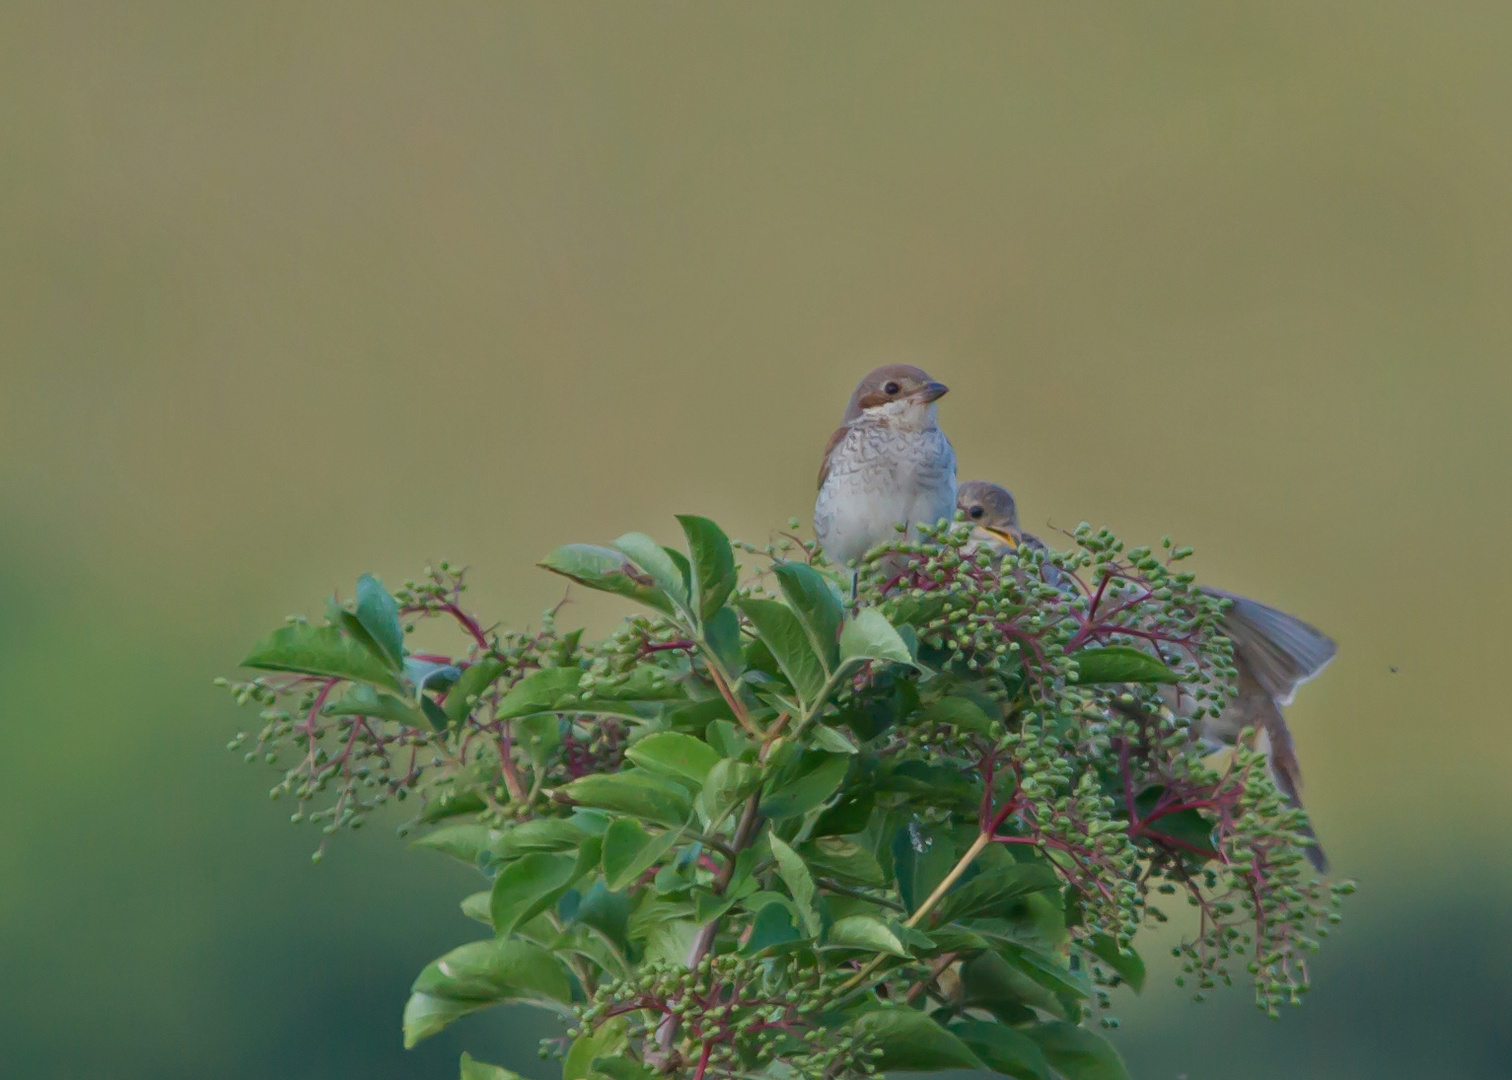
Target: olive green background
293,291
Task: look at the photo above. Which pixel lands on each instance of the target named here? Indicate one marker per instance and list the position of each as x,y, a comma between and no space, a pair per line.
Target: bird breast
881,476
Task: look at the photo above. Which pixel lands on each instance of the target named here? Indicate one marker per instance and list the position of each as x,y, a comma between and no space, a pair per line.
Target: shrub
767,828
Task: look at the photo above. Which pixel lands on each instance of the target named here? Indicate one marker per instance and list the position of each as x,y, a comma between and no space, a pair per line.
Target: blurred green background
291,291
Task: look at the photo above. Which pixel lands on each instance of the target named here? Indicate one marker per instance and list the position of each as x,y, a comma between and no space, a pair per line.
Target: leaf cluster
764,828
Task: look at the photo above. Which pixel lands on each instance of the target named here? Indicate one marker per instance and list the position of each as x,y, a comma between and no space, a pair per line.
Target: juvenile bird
1274,652
889,464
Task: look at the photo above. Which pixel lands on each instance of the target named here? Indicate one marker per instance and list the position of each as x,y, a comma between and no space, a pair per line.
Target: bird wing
829,448
1283,651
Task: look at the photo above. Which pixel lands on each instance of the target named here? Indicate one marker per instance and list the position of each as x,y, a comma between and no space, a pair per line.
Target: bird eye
975,511
892,388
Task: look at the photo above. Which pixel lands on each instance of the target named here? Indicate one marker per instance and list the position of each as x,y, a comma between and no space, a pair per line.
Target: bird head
992,513
900,392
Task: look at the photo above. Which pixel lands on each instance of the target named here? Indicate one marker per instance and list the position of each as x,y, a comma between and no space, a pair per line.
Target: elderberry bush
765,829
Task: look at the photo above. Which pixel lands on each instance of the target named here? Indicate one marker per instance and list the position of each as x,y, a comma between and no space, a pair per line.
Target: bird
888,465
1274,653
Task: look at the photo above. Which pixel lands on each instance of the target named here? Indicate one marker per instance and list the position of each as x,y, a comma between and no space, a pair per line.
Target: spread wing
829,448
1283,651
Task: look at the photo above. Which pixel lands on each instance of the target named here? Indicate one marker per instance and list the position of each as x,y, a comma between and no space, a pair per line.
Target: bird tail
1281,755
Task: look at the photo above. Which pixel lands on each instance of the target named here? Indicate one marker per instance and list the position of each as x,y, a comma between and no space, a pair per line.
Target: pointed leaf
541,691
789,643
843,859
681,757
795,875
869,636
607,1040
528,886
728,784
471,683
910,1040
477,975
997,887
379,616
623,1068
481,1070
636,792
713,564
365,700
817,605
1128,965
821,776
1005,1050
866,932
772,927
1120,664
606,570
320,650
657,563
629,851
1078,1054
464,842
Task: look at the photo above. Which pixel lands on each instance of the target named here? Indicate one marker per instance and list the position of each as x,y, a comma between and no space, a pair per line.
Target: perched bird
1274,652
888,465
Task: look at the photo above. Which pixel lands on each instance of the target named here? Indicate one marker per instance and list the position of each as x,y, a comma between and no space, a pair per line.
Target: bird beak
1004,535
932,391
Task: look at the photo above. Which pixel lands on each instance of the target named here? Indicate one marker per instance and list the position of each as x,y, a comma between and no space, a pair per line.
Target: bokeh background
291,291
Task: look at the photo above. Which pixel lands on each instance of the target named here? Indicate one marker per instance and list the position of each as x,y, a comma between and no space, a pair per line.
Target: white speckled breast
881,476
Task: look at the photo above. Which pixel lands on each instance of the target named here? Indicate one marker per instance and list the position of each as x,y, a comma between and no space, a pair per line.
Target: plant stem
977,847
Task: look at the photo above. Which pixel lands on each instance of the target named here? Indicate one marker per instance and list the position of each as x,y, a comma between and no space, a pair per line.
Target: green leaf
473,681
772,927
958,713
542,834
721,633
866,932
320,650
365,700
475,906
922,856
1005,1050
623,1068
657,563
1047,970
606,570
1120,664
728,784
528,886
991,890
843,859
477,975
1187,828
989,982
713,564
869,636
481,1070
452,804
1078,1054
910,1040
818,607
1128,965
785,636
433,713
606,911
795,875
849,815
827,738
465,842
821,776
629,851
635,792
541,691
538,735
681,757
379,616
607,1040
